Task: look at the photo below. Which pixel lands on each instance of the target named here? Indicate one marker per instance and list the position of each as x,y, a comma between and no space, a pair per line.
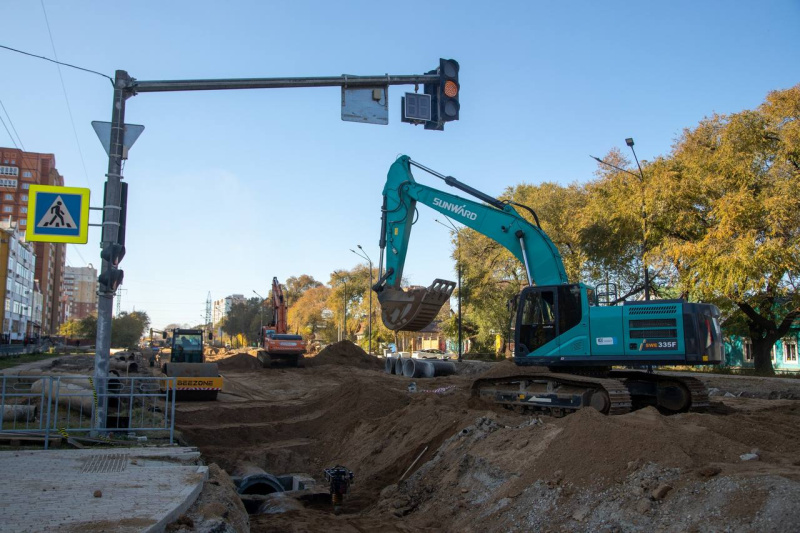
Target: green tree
128,328
244,319
733,230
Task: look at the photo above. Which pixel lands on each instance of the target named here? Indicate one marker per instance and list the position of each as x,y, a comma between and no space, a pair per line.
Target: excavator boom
413,308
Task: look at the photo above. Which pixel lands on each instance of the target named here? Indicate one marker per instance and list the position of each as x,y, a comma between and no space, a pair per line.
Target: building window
9,197
23,222
24,197
27,174
23,209
747,350
6,182
8,208
790,351
24,185
9,171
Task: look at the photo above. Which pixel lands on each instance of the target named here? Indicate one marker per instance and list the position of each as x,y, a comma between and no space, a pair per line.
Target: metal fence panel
44,406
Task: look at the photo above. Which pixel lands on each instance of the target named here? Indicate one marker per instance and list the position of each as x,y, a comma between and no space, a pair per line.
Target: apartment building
17,265
18,171
80,291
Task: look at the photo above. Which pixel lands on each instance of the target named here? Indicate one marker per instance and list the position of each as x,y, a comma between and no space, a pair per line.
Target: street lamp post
629,142
344,305
369,290
260,313
458,261
640,177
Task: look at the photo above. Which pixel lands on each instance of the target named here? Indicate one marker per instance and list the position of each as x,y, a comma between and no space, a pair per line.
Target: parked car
433,353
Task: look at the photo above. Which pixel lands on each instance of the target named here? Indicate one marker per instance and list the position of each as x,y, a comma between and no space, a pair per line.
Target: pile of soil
436,461
238,362
345,353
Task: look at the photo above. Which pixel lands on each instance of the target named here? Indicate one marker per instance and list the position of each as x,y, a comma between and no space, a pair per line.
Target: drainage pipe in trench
388,367
255,480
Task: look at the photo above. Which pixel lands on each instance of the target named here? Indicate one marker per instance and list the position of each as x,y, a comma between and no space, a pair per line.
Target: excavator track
614,393
692,396
555,393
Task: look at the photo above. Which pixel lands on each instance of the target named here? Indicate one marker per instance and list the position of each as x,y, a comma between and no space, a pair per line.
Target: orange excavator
275,343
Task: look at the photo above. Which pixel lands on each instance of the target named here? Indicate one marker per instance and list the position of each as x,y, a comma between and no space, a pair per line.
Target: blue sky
231,188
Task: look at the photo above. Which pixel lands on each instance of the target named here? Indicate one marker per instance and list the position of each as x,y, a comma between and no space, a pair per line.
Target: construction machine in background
276,345
195,379
557,325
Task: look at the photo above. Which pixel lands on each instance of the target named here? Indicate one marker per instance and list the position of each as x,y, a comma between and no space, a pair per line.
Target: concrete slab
142,489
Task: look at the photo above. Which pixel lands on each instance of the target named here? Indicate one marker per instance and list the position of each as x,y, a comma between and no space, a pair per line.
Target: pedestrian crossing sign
58,214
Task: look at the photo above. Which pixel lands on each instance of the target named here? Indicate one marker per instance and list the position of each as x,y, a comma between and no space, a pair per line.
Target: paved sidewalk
141,489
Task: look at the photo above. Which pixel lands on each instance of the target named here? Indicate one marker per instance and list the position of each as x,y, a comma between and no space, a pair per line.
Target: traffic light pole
111,224
125,87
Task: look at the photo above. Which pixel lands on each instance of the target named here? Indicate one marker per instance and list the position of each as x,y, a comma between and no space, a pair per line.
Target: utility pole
119,300
458,260
369,290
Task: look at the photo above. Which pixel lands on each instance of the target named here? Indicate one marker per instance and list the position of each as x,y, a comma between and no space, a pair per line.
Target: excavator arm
413,308
279,318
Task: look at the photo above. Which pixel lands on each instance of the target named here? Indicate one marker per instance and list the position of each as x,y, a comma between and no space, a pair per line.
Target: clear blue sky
231,188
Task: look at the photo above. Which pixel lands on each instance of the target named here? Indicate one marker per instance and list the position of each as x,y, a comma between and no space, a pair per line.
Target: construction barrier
38,407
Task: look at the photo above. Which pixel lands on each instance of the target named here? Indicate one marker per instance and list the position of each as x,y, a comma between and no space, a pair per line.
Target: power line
79,254
59,63
9,133
12,127
66,99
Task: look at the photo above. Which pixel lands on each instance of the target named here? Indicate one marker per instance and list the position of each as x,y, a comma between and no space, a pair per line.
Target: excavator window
538,320
547,312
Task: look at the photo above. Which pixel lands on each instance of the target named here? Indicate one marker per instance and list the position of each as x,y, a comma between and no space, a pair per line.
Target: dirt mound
345,353
238,362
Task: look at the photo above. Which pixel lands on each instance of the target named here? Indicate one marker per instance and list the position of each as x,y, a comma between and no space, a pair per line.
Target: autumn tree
733,230
296,286
307,314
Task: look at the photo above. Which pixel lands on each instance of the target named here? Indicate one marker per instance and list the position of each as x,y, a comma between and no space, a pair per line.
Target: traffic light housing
449,90
111,278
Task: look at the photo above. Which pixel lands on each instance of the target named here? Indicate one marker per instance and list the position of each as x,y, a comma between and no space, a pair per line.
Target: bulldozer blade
413,308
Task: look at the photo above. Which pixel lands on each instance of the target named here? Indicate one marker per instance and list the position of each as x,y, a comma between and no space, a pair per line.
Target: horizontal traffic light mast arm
140,86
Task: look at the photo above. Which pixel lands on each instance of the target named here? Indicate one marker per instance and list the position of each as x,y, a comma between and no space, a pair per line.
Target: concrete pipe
398,366
251,479
125,367
417,368
70,395
19,413
388,367
443,368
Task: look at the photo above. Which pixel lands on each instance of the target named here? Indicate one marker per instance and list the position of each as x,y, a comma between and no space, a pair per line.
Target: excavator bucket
413,308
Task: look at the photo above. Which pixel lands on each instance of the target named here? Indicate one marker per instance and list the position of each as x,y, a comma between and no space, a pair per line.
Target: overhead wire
66,99
12,127
59,63
9,133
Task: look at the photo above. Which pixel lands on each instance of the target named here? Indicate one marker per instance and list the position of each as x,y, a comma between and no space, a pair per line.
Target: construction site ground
438,460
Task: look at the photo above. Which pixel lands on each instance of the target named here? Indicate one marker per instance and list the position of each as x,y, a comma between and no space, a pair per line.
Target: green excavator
558,327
